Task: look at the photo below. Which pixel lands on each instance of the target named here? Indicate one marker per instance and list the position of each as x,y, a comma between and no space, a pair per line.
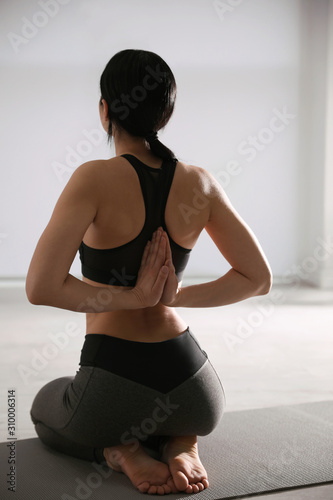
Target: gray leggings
98,408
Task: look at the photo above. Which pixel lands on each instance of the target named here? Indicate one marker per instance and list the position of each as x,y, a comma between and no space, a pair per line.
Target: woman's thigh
57,401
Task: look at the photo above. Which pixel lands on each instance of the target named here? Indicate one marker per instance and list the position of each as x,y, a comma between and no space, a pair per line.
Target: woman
144,382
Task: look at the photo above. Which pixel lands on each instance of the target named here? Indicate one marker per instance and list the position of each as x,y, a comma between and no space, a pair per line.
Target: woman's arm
49,282
250,272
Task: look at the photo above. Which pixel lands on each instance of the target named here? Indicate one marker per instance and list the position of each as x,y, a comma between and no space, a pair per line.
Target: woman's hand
153,272
171,288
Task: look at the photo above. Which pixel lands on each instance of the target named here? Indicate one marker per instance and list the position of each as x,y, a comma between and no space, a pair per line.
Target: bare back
120,218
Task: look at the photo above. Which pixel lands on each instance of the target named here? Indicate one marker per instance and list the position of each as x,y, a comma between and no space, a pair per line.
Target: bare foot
147,475
188,473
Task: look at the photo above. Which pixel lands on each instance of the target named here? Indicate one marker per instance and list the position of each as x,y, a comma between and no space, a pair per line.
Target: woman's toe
180,480
189,489
172,485
167,489
205,483
144,487
195,488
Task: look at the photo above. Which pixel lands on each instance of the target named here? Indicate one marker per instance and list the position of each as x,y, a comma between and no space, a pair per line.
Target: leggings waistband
159,365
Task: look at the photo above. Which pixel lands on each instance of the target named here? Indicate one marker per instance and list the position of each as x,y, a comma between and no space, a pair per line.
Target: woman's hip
127,390
117,410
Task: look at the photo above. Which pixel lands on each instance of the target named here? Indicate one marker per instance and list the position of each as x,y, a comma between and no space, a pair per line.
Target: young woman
144,382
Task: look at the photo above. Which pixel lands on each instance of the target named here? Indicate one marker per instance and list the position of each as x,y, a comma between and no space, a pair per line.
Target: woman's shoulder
98,166
197,177
98,172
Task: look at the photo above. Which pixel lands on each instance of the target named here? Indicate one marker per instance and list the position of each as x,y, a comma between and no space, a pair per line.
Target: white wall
237,70
316,145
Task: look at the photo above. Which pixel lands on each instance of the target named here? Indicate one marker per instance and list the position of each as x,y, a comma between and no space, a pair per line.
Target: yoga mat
252,451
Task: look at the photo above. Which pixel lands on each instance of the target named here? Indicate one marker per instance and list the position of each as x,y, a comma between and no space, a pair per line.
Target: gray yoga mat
253,451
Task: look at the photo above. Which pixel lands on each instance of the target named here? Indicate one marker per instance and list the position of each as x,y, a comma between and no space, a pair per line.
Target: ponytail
158,148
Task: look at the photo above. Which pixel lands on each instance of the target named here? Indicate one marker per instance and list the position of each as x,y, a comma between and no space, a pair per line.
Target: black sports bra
120,265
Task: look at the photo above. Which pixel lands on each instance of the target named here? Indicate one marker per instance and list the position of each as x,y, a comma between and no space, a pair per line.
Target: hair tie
151,137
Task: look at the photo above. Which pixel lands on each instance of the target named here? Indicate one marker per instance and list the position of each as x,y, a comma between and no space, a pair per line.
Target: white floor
268,351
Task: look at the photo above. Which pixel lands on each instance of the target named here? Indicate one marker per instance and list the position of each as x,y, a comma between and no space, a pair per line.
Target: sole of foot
188,473
146,474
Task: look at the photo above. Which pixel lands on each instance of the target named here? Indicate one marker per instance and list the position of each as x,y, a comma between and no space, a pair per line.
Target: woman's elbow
32,293
35,292
35,299
265,283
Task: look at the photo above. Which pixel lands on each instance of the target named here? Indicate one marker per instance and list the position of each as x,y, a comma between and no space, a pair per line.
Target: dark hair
140,90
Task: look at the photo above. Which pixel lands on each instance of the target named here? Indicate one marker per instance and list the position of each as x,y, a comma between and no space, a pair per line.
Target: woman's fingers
168,254
159,253
148,252
153,272
160,281
156,253
154,246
